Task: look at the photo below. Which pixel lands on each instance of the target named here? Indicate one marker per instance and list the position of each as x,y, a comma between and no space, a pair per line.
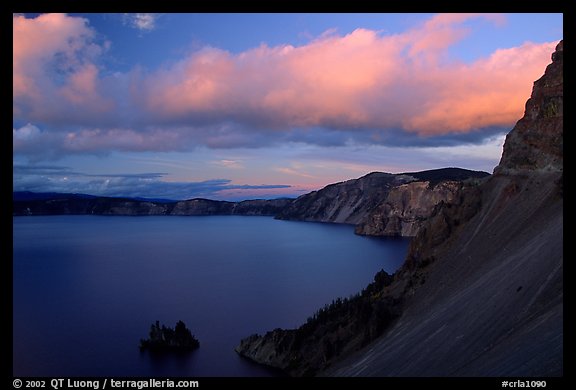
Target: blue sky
238,106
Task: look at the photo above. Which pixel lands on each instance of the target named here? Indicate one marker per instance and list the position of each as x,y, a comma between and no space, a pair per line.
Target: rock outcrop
536,144
260,206
128,207
202,207
382,204
481,290
214,207
407,207
345,202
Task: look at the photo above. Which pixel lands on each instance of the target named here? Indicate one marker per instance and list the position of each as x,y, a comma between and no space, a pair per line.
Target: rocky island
163,339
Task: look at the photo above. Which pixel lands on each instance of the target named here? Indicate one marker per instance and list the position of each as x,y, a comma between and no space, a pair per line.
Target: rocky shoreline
378,204
481,290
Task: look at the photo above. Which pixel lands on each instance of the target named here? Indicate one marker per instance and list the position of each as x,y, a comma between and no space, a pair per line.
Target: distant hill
434,176
23,196
30,203
20,196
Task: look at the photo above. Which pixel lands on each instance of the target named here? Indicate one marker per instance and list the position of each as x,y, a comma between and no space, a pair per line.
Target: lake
87,288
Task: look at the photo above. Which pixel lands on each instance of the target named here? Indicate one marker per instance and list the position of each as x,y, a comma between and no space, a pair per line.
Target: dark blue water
87,288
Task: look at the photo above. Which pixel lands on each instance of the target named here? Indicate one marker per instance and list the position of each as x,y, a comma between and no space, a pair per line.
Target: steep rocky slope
346,202
481,290
381,204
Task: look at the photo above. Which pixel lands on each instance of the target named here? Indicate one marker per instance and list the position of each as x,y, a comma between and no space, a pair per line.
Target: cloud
354,82
25,132
55,74
364,87
52,178
229,164
294,172
440,31
141,21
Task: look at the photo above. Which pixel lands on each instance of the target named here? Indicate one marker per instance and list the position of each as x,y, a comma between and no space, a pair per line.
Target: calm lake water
87,288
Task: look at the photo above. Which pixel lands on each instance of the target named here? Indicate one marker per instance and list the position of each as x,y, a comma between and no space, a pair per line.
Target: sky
245,106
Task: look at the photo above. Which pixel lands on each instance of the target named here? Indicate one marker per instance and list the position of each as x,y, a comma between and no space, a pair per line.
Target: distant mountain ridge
378,203
30,203
23,196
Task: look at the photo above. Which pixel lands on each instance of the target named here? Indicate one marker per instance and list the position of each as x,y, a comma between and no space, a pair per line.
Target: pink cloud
35,41
355,84
489,92
82,86
284,86
357,81
53,44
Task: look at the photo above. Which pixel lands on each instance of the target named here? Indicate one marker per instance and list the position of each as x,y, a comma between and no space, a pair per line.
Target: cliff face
481,290
492,265
536,143
213,207
202,207
346,202
407,207
129,207
260,207
381,204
